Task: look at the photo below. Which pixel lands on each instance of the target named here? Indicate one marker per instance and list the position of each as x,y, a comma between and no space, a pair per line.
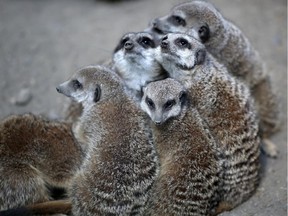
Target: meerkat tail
268,107
45,208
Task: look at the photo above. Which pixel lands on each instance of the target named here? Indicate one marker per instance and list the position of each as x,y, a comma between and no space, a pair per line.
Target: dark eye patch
121,44
177,20
76,84
182,43
146,42
165,38
169,104
150,103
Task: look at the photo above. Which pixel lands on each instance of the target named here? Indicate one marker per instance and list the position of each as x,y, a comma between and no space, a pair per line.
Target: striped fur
228,44
121,164
226,105
189,174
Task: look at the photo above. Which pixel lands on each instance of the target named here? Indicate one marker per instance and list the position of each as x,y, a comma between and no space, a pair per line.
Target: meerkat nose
158,122
164,44
58,89
155,23
128,45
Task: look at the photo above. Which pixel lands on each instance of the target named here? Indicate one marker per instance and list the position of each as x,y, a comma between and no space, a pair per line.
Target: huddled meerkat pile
171,125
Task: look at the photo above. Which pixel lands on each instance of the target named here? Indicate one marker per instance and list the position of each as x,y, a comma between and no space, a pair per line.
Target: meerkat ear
200,56
97,94
141,91
204,33
183,97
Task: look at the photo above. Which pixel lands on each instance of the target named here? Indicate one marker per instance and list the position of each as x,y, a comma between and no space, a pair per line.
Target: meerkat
225,104
134,61
121,164
189,164
227,43
36,155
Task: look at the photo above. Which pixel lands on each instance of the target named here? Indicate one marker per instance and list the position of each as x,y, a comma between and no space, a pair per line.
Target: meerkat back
121,164
225,104
189,164
227,43
36,155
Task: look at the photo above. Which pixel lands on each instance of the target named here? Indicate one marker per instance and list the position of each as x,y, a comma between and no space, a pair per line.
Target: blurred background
43,42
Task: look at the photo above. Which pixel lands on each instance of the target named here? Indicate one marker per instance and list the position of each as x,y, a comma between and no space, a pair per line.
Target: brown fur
35,153
227,43
189,165
225,104
121,163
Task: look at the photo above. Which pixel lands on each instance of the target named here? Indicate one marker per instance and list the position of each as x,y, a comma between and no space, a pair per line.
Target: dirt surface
43,42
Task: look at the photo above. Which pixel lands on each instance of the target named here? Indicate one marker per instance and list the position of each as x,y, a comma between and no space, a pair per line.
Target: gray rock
22,98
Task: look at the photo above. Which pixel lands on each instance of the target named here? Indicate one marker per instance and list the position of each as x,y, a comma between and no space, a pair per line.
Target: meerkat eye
178,20
204,33
150,103
124,40
76,84
182,42
146,42
169,104
121,44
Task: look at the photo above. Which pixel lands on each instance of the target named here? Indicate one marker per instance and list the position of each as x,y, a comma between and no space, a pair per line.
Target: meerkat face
134,59
197,18
180,52
86,85
135,49
163,100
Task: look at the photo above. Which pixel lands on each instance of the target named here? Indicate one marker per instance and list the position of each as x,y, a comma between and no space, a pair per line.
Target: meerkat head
180,52
90,85
197,18
134,59
163,100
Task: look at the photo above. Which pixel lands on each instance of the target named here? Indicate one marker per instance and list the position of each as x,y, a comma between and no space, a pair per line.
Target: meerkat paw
269,148
222,207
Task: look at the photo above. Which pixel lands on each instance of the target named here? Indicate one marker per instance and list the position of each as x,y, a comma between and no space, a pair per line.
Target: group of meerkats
172,125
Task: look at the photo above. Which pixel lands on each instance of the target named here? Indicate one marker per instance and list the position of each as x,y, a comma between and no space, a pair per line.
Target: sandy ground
43,42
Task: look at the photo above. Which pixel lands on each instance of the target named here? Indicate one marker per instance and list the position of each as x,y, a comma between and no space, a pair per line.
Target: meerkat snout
155,26
63,89
58,89
164,43
69,87
128,45
155,23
